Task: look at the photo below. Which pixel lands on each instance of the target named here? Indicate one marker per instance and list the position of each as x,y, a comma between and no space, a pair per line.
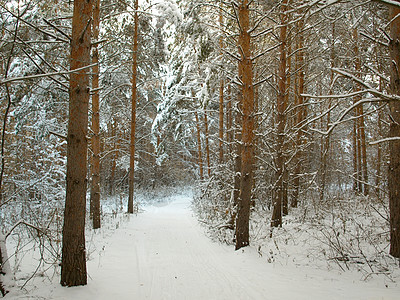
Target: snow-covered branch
9,80
389,139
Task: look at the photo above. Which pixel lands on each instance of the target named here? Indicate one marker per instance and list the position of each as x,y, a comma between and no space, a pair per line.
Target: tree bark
200,159
95,184
133,112
73,265
394,146
247,155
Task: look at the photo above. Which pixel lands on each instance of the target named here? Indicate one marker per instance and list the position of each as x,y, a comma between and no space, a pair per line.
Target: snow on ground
163,253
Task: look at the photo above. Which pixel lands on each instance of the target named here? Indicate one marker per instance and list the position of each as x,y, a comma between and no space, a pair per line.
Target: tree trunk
95,183
237,160
133,112
207,143
378,158
355,160
114,156
299,90
221,100
73,264
394,146
200,159
285,183
281,107
246,76
229,121
362,146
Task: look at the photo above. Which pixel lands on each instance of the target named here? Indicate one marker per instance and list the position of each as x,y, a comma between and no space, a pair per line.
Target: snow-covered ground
163,253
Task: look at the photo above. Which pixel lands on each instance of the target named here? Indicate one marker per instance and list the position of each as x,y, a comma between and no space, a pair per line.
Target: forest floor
163,253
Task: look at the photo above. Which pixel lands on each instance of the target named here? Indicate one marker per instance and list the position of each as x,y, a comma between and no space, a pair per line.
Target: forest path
163,254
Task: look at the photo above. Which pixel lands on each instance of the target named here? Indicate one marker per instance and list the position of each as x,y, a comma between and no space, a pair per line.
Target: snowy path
164,254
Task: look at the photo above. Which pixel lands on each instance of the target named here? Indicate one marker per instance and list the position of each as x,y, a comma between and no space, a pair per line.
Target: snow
163,253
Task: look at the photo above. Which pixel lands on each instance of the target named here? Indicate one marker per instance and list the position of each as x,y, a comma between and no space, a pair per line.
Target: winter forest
177,149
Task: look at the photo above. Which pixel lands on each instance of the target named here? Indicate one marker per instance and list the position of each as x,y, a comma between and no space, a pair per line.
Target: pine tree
95,183
247,152
73,264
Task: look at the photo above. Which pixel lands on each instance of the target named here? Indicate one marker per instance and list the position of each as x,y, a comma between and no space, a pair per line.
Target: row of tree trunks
95,183
73,265
133,111
247,155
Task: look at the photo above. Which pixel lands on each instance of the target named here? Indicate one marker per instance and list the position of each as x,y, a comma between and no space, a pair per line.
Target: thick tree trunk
133,112
95,183
246,76
394,146
73,265
281,121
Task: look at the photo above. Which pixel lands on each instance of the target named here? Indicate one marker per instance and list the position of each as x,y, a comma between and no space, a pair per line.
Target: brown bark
95,183
247,155
281,120
73,265
200,159
133,112
394,146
